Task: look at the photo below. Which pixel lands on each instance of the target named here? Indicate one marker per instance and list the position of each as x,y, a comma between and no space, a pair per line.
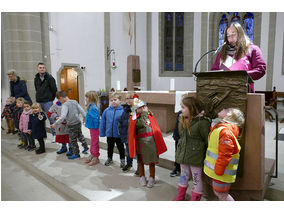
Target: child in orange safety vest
223,152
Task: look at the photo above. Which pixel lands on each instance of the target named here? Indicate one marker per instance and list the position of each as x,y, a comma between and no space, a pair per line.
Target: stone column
26,42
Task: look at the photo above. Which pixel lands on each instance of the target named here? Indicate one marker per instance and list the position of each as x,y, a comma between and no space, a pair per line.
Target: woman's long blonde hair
93,97
242,44
194,108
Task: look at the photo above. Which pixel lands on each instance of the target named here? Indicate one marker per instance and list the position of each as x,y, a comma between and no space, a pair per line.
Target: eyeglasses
128,98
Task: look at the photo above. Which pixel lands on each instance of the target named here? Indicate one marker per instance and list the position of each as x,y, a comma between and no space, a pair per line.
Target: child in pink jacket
23,126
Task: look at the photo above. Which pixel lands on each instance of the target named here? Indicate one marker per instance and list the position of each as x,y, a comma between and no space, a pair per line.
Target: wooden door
69,83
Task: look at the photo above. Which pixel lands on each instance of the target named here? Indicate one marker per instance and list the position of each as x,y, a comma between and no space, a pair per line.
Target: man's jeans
45,107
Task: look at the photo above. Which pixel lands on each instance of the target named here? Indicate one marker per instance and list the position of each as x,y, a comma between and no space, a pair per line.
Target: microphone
219,48
215,51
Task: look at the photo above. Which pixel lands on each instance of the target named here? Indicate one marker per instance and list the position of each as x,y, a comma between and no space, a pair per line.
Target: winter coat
227,145
191,148
92,120
176,135
37,126
109,122
19,89
7,112
24,121
253,62
55,112
46,89
17,115
123,124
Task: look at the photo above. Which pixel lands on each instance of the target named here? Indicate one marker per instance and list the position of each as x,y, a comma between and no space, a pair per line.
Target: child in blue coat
36,126
109,128
92,122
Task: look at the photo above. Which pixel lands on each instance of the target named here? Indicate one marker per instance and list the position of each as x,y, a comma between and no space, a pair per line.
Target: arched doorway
69,82
70,78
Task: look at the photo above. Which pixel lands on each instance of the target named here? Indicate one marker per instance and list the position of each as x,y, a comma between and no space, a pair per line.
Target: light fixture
113,61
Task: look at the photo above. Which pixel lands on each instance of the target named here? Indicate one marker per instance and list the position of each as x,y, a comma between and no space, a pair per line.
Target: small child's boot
181,193
21,143
195,196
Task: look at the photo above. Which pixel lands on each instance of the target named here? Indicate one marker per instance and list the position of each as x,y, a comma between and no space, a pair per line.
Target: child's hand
52,126
39,116
29,132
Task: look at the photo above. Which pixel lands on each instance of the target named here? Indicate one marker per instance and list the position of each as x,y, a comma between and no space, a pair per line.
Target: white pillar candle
118,85
172,84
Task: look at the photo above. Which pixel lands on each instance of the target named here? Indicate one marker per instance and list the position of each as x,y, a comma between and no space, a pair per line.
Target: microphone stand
203,56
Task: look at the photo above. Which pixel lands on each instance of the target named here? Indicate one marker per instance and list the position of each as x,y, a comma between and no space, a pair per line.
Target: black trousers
41,144
28,139
177,166
110,145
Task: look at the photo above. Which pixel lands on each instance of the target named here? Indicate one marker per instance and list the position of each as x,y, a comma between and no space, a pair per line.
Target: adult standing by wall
46,89
238,53
18,87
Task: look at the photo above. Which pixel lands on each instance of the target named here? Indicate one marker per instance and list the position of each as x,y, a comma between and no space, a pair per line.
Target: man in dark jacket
46,89
18,87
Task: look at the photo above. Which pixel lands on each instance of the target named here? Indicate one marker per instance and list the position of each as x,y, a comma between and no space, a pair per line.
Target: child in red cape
145,140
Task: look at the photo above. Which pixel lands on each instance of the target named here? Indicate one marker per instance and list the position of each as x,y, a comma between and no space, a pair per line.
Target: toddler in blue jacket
109,128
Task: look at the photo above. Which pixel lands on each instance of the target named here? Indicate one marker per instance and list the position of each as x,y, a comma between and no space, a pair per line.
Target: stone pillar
26,42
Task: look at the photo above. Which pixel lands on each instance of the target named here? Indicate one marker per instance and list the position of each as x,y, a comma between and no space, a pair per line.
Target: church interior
154,54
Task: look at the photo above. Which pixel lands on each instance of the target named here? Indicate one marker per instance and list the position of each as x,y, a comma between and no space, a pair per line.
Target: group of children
202,145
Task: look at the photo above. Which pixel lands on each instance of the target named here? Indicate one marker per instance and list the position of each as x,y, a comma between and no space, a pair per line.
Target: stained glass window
179,41
248,25
222,27
236,18
168,42
173,41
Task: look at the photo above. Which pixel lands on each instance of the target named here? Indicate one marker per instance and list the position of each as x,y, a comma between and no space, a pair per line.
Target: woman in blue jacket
18,87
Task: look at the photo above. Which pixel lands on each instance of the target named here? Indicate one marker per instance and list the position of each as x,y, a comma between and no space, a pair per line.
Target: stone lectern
219,90
224,89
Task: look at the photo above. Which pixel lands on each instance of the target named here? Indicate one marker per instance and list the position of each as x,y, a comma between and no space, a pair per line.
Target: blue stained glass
222,27
248,24
179,19
169,66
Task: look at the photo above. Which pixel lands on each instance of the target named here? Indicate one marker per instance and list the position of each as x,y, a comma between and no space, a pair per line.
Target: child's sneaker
62,150
69,153
126,168
39,151
151,182
72,157
21,144
108,162
32,148
143,181
89,159
85,150
122,163
27,147
94,161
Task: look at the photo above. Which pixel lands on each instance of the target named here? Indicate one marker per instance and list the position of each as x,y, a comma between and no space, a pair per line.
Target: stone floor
26,176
